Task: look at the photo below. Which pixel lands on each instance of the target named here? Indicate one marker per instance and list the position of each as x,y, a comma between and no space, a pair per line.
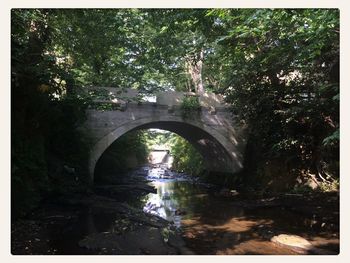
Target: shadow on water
215,225
207,222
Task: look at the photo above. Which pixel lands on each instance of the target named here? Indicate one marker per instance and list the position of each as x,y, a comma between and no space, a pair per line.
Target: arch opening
218,153
151,148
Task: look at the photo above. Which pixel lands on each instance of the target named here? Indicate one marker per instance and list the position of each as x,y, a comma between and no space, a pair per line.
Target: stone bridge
213,130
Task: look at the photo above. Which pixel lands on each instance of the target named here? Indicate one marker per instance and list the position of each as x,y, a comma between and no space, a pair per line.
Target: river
203,219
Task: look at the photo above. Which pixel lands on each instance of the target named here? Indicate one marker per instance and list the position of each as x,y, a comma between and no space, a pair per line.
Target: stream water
206,221
212,223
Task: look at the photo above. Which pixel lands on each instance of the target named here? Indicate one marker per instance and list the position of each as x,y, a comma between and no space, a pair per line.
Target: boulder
293,242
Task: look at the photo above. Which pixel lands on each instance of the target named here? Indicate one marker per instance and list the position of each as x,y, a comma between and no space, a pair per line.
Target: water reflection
174,191
164,203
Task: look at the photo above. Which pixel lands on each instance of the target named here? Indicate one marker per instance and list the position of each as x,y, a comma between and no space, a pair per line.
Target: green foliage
43,117
186,157
156,137
332,139
190,107
281,74
108,47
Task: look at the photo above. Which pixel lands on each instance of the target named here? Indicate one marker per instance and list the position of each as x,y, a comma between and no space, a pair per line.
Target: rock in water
293,242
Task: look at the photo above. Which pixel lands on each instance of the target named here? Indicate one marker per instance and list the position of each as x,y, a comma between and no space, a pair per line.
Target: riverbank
251,226
55,228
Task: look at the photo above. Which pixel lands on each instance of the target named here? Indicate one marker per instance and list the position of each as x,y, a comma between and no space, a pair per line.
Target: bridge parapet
206,100
168,98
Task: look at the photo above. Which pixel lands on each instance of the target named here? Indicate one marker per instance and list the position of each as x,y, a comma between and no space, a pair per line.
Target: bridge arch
220,153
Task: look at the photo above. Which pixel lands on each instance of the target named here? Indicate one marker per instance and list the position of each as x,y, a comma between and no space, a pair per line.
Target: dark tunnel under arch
218,153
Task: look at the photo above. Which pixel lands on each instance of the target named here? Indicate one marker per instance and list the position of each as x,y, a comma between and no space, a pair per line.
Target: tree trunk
194,66
200,87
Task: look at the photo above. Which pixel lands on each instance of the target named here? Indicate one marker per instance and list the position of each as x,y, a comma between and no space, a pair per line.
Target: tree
282,77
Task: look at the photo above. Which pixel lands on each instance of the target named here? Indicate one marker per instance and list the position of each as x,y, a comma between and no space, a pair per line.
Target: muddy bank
236,225
321,208
110,227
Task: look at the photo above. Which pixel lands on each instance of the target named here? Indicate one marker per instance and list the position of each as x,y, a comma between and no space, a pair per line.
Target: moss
190,107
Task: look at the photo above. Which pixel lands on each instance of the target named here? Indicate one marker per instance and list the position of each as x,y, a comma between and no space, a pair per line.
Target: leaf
334,138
